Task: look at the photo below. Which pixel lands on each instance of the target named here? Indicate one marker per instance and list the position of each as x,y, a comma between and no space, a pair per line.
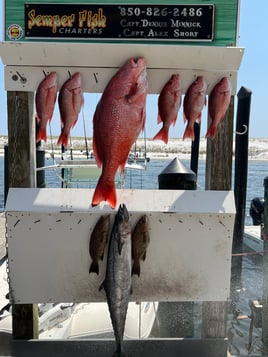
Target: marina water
248,287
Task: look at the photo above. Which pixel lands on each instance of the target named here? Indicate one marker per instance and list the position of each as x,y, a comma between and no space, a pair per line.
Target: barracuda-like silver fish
117,283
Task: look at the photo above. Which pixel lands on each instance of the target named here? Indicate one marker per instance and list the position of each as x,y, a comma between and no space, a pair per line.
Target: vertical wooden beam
219,154
218,177
21,173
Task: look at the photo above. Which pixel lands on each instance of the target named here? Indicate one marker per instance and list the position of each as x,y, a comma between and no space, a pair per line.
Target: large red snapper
169,102
70,100
194,101
45,99
218,103
118,119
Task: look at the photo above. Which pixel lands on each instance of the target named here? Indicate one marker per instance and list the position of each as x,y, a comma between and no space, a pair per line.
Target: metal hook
70,75
242,132
23,79
44,73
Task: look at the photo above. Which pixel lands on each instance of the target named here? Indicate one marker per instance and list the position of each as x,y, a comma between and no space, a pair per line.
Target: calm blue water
148,179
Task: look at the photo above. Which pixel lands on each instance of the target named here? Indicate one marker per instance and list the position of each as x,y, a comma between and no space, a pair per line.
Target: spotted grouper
118,120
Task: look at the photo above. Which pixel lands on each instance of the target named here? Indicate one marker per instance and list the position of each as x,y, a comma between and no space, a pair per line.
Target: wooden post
265,271
21,158
219,154
218,177
241,163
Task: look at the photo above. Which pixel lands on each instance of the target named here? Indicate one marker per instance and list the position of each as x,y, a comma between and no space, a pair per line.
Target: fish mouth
138,62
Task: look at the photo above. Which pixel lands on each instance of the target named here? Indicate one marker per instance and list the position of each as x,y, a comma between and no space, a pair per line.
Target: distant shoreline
258,147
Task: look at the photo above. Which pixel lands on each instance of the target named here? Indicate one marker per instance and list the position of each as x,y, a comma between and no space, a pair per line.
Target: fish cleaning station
188,258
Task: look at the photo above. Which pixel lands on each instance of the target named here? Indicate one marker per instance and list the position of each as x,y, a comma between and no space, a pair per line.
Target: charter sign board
191,22
120,22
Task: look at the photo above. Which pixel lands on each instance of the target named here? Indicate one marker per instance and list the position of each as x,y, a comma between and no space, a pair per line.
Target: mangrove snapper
117,283
218,103
118,119
194,101
140,240
98,241
169,102
45,99
70,100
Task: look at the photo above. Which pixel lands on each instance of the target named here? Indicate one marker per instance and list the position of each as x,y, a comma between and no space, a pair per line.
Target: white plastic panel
188,258
97,63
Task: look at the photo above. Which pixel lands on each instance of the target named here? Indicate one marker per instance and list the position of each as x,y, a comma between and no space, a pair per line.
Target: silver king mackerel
117,283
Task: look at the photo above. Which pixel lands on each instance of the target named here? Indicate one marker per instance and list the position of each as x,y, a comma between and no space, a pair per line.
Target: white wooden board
188,258
25,63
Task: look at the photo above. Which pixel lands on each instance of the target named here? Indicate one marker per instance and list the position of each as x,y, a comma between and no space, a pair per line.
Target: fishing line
85,134
52,146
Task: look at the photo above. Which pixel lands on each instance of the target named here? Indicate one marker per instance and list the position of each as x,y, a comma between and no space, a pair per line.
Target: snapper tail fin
94,267
41,135
162,135
211,132
104,192
189,133
63,139
136,268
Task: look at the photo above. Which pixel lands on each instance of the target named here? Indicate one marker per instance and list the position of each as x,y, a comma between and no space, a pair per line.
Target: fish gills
45,99
118,119
71,100
98,241
140,240
117,283
169,102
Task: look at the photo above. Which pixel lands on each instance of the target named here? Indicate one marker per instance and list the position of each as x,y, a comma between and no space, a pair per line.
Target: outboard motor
256,210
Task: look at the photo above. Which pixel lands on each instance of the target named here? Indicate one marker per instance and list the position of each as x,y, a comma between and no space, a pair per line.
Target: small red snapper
194,101
169,103
218,103
70,100
45,99
118,119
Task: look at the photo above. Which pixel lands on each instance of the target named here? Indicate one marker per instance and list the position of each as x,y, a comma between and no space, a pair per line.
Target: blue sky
252,75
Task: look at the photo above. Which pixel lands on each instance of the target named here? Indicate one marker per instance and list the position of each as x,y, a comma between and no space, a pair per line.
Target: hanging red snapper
169,103
118,119
45,99
194,101
70,101
218,103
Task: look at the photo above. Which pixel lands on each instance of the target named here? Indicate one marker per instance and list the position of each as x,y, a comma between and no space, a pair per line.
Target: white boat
79,320
252,238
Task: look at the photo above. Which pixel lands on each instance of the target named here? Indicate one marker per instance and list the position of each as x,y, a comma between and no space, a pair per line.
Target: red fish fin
211,132
104,192
37,118
174,121
136,269
198,119
97,158
143,119
63,139
41,135
188,134
159,119
74,122
184,118
162,135
144,256
94,267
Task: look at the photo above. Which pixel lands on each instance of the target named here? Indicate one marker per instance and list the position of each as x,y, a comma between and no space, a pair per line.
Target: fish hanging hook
45,74
22,79
242,132
70,75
